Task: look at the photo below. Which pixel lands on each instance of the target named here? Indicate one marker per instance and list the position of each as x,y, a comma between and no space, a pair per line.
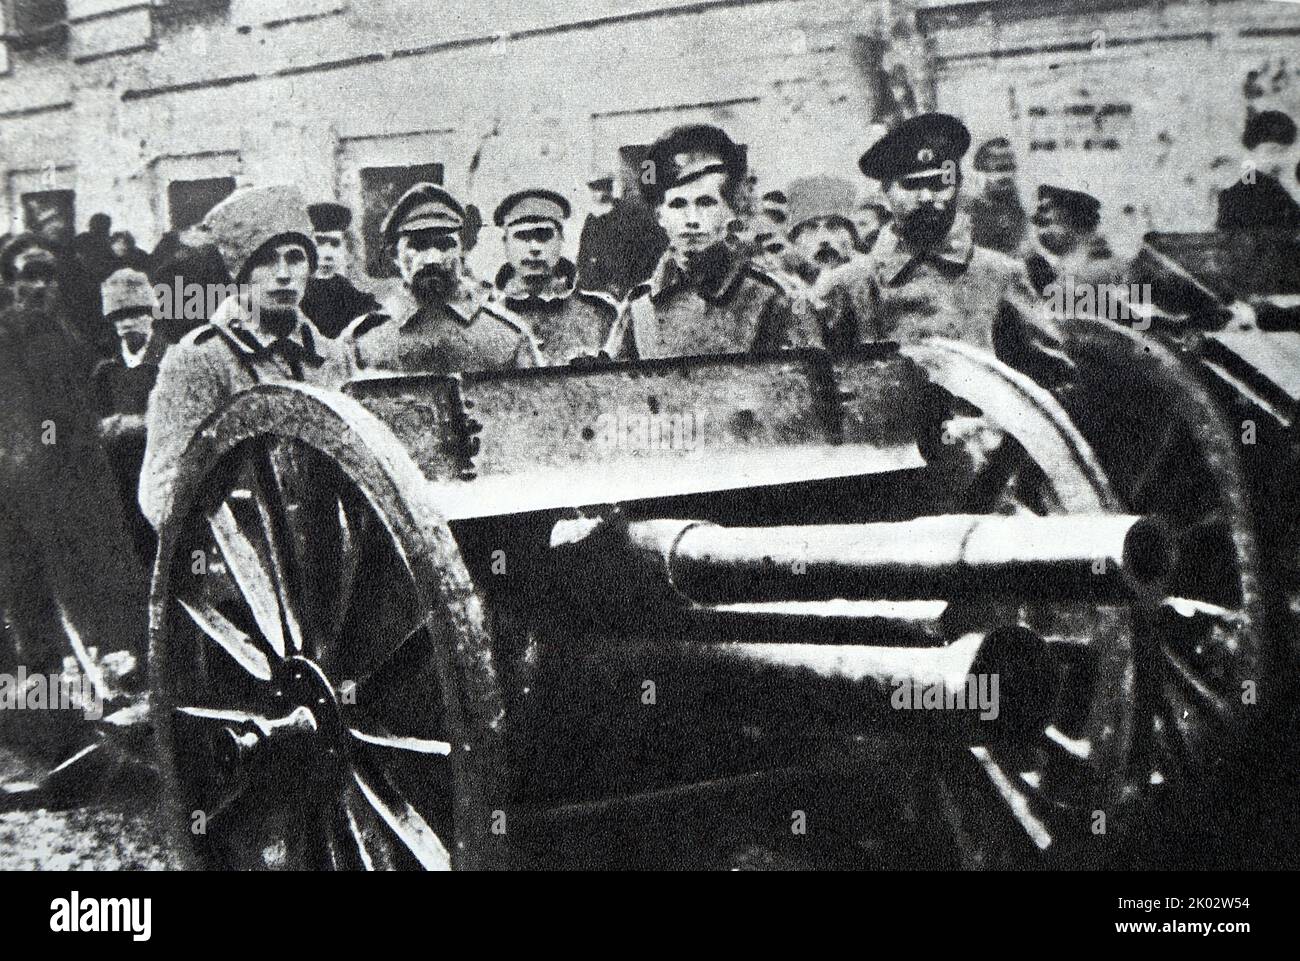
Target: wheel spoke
229,638
349,562
1144,485
376,647
1017,803
269,496
343,846
378,736
228,715
250,575
366,832
1195,685
405,822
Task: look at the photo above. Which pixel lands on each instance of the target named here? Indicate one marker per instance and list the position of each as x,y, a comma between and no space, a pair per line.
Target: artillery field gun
439,621
431,620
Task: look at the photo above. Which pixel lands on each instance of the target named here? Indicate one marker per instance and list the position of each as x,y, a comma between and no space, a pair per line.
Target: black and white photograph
651,435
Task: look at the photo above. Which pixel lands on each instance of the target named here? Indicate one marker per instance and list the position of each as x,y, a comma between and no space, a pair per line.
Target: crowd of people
700,263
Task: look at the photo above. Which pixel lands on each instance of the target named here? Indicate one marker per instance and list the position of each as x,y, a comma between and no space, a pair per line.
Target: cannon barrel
1101,556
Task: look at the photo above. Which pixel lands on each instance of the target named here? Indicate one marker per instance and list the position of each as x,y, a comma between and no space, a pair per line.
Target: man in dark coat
121,387
332,301
65,557
619,247
1258,201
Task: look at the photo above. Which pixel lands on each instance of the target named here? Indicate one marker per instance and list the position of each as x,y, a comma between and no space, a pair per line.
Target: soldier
702,298
438,322
1066,226
121,387
821,225
925,277
998,220
1259,201
538,284
332,301
257,335
65,558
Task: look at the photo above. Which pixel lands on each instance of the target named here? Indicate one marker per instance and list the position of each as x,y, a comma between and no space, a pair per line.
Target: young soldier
258,335
332,301
703,298
537,283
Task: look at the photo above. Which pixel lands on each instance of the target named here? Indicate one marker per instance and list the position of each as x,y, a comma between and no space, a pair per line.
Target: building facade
150,110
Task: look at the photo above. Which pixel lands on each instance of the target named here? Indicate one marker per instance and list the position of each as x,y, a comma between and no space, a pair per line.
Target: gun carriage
428,621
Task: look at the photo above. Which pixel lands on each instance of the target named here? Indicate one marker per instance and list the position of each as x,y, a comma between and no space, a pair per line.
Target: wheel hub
304,726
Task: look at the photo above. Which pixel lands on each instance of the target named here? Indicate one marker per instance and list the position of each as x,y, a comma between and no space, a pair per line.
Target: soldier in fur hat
258,334
821,225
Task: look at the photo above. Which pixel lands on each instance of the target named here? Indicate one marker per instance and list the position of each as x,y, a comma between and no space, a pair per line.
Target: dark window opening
35,23
50,214
380,188
188,201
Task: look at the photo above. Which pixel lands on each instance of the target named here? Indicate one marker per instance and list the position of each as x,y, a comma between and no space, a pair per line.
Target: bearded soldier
258,334
925,277
439,322
703,297
538,284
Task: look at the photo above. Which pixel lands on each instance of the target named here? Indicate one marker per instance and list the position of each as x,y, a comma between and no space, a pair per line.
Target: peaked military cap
531,206
425,206
1082,210
995,156
688,153
328,216
919,146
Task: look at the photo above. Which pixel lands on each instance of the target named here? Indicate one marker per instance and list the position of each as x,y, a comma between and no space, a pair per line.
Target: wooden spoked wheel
323,686
1209,652
1149,690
